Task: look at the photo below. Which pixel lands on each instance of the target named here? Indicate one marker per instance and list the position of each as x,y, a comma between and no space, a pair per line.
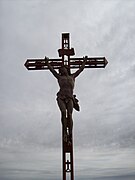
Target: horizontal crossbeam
40,64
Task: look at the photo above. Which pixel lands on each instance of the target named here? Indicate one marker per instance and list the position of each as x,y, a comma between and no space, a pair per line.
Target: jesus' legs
69,115
62,107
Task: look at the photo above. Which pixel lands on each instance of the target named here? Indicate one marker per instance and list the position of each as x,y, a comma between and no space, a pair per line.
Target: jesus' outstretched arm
81,68
51,68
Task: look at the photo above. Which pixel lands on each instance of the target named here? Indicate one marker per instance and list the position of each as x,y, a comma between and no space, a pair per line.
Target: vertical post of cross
65,53
65,47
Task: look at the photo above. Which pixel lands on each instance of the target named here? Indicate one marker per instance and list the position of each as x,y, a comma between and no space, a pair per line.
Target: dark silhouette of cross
65,58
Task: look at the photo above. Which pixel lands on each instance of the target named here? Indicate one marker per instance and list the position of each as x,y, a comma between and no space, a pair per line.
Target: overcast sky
28,110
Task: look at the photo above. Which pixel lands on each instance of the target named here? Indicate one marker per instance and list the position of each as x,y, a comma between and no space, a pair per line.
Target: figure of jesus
65,98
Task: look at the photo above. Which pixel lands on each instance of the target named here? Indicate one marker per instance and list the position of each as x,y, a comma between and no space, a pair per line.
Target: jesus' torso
66,84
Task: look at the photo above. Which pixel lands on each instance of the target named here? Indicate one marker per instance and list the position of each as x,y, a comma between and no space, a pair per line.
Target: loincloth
66,99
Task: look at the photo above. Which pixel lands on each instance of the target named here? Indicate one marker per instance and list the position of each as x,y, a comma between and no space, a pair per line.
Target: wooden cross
65,54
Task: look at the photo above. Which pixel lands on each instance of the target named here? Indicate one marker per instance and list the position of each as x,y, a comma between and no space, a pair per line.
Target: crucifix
65,97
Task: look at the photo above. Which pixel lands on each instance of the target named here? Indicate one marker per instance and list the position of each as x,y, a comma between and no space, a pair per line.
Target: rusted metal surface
39,64
68,160
68,163
67,52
